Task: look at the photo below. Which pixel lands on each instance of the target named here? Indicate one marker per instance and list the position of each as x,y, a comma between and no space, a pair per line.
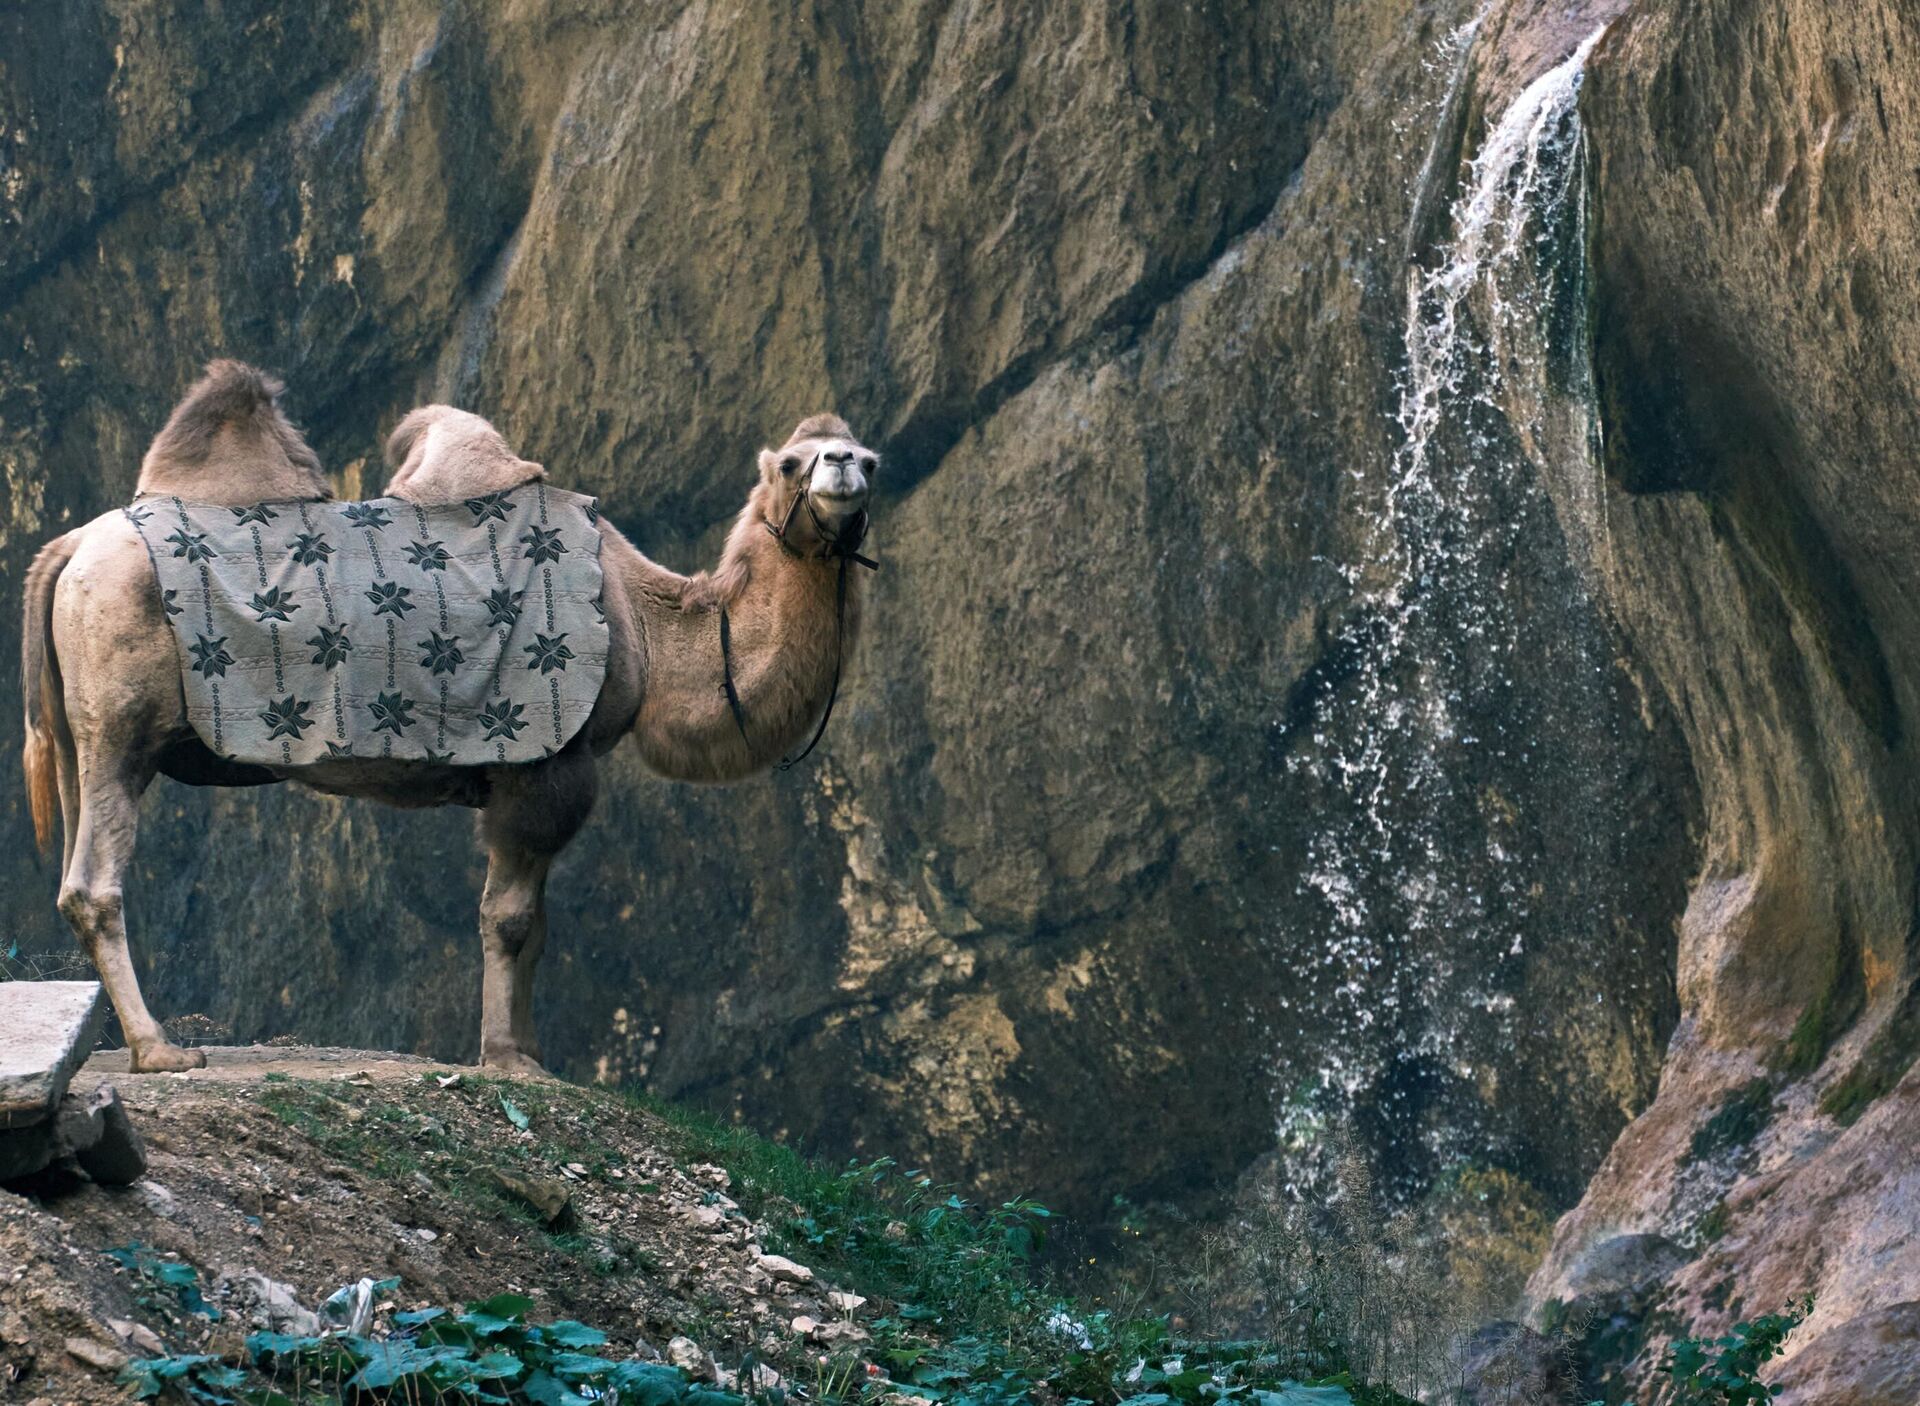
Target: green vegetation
976,1322
488,1354
1724,1371
166,1283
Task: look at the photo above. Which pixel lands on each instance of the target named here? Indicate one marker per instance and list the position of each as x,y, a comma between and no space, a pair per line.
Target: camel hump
412,427
229,435
442,454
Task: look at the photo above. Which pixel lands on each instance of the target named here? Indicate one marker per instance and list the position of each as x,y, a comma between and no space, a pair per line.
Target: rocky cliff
1399,561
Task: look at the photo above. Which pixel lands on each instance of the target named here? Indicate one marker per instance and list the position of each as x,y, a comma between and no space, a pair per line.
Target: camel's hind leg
531,814
101,849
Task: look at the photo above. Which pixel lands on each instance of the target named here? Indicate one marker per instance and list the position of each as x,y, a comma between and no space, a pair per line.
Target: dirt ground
304,1170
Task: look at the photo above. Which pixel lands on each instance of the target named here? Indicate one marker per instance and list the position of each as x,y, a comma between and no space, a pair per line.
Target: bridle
844,545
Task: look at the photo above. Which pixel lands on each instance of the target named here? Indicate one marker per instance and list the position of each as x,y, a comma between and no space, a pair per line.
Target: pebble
686,1354
97,1355
780,1267
139,1335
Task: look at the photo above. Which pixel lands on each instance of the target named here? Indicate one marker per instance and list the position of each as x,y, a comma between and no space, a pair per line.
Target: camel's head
822,460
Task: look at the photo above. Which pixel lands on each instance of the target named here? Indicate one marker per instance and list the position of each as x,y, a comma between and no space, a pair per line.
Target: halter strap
846,547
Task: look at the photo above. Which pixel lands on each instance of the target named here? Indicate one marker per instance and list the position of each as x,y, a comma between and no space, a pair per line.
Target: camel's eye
868,464
789,464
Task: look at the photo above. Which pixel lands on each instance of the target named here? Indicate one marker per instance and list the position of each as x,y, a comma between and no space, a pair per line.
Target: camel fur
105,711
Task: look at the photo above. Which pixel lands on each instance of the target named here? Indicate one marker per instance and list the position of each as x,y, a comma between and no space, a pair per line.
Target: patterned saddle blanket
464,634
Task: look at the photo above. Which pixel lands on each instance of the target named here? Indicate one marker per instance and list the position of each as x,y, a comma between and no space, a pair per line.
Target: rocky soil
282,1175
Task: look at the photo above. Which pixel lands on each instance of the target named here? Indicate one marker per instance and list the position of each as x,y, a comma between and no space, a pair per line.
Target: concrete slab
47,1029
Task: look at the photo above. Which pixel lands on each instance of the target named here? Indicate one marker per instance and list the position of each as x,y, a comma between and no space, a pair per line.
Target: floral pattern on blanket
465,634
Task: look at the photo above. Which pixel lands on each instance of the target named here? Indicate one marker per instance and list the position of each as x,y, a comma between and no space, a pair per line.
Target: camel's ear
532,470
774,467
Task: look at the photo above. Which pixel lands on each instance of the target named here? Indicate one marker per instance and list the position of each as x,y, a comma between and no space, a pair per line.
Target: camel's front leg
100,849
513,930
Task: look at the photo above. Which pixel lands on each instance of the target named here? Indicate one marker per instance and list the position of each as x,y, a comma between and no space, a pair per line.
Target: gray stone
46,1031
91,1135
102,1357
24,1151
1623,1267
686,1354
115,1156
780,1267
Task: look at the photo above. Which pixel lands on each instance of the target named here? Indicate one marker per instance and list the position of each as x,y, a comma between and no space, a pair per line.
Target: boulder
785,1270
91,1136
550,1199
47,1029
686,1354
1623,1269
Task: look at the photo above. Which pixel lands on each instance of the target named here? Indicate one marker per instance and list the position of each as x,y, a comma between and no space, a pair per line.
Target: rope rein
846,547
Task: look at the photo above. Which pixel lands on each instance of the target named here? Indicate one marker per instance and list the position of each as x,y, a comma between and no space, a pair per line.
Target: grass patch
973,1320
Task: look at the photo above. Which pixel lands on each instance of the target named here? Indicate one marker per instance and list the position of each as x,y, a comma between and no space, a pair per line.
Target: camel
105,711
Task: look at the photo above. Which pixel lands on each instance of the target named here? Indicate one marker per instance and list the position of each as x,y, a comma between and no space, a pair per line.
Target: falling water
1441,769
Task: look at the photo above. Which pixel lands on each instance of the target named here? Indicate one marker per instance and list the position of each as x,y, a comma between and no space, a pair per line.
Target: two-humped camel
105,710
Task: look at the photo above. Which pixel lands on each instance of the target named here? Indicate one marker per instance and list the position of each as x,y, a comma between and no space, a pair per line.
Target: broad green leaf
568,1333
496,1364
387,1363
647,1383
503,1313
515,1114
1292,1395
278,1344
578,1364
545,1389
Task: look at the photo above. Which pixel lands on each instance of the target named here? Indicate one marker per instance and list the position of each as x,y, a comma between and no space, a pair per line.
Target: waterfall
1448,791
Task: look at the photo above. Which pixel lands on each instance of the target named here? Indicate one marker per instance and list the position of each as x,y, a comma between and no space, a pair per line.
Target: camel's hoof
167,1059
514,1063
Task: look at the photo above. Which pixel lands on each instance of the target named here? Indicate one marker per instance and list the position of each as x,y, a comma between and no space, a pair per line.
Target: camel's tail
40,686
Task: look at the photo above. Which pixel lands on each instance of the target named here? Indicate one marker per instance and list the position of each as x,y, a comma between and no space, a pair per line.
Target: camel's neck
787,632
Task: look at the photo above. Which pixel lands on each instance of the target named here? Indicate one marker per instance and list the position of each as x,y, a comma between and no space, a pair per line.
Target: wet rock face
1754,174
1121,294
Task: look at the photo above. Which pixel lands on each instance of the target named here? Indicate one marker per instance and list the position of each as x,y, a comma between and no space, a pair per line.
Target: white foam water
1496,433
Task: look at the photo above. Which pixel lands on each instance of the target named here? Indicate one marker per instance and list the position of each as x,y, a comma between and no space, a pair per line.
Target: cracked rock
782,1268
